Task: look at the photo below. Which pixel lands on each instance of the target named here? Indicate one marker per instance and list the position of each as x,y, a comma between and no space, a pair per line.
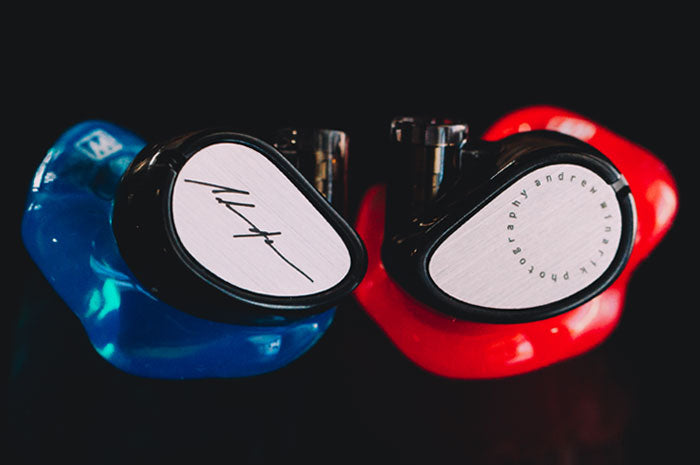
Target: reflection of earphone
492,258
209,255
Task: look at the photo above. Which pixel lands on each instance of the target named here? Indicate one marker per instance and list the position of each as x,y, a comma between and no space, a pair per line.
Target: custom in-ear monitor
515,230
210,255
508,253
237,223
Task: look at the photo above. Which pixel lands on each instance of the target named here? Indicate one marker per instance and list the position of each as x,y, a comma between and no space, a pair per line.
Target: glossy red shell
462,349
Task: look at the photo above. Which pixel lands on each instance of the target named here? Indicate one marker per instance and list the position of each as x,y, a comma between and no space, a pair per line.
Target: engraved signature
253,230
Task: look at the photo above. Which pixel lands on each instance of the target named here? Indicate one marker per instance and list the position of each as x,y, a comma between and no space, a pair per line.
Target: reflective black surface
416,231
145,233
354,398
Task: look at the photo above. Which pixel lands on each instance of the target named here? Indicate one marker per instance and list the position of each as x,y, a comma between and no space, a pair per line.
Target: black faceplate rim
351,241
245,306
512,173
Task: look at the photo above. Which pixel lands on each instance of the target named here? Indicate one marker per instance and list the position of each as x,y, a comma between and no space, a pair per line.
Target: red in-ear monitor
496,257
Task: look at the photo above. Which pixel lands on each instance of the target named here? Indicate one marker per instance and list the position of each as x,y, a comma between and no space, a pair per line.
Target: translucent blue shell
67,230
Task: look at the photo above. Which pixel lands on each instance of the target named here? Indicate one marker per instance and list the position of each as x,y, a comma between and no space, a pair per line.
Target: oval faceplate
547,236
244,221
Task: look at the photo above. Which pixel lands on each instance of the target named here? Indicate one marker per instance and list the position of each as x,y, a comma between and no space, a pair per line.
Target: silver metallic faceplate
549,235
243,220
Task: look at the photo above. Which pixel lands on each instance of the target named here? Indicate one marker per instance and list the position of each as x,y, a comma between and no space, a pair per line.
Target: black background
354,398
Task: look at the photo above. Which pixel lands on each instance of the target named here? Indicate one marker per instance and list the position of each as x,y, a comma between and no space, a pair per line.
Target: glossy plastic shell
456,348
67,230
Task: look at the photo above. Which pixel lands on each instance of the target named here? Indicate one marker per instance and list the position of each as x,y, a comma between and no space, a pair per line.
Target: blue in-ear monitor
214,254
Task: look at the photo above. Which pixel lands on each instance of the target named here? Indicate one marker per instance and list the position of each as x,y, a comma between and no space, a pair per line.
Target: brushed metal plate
243,220
547,236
